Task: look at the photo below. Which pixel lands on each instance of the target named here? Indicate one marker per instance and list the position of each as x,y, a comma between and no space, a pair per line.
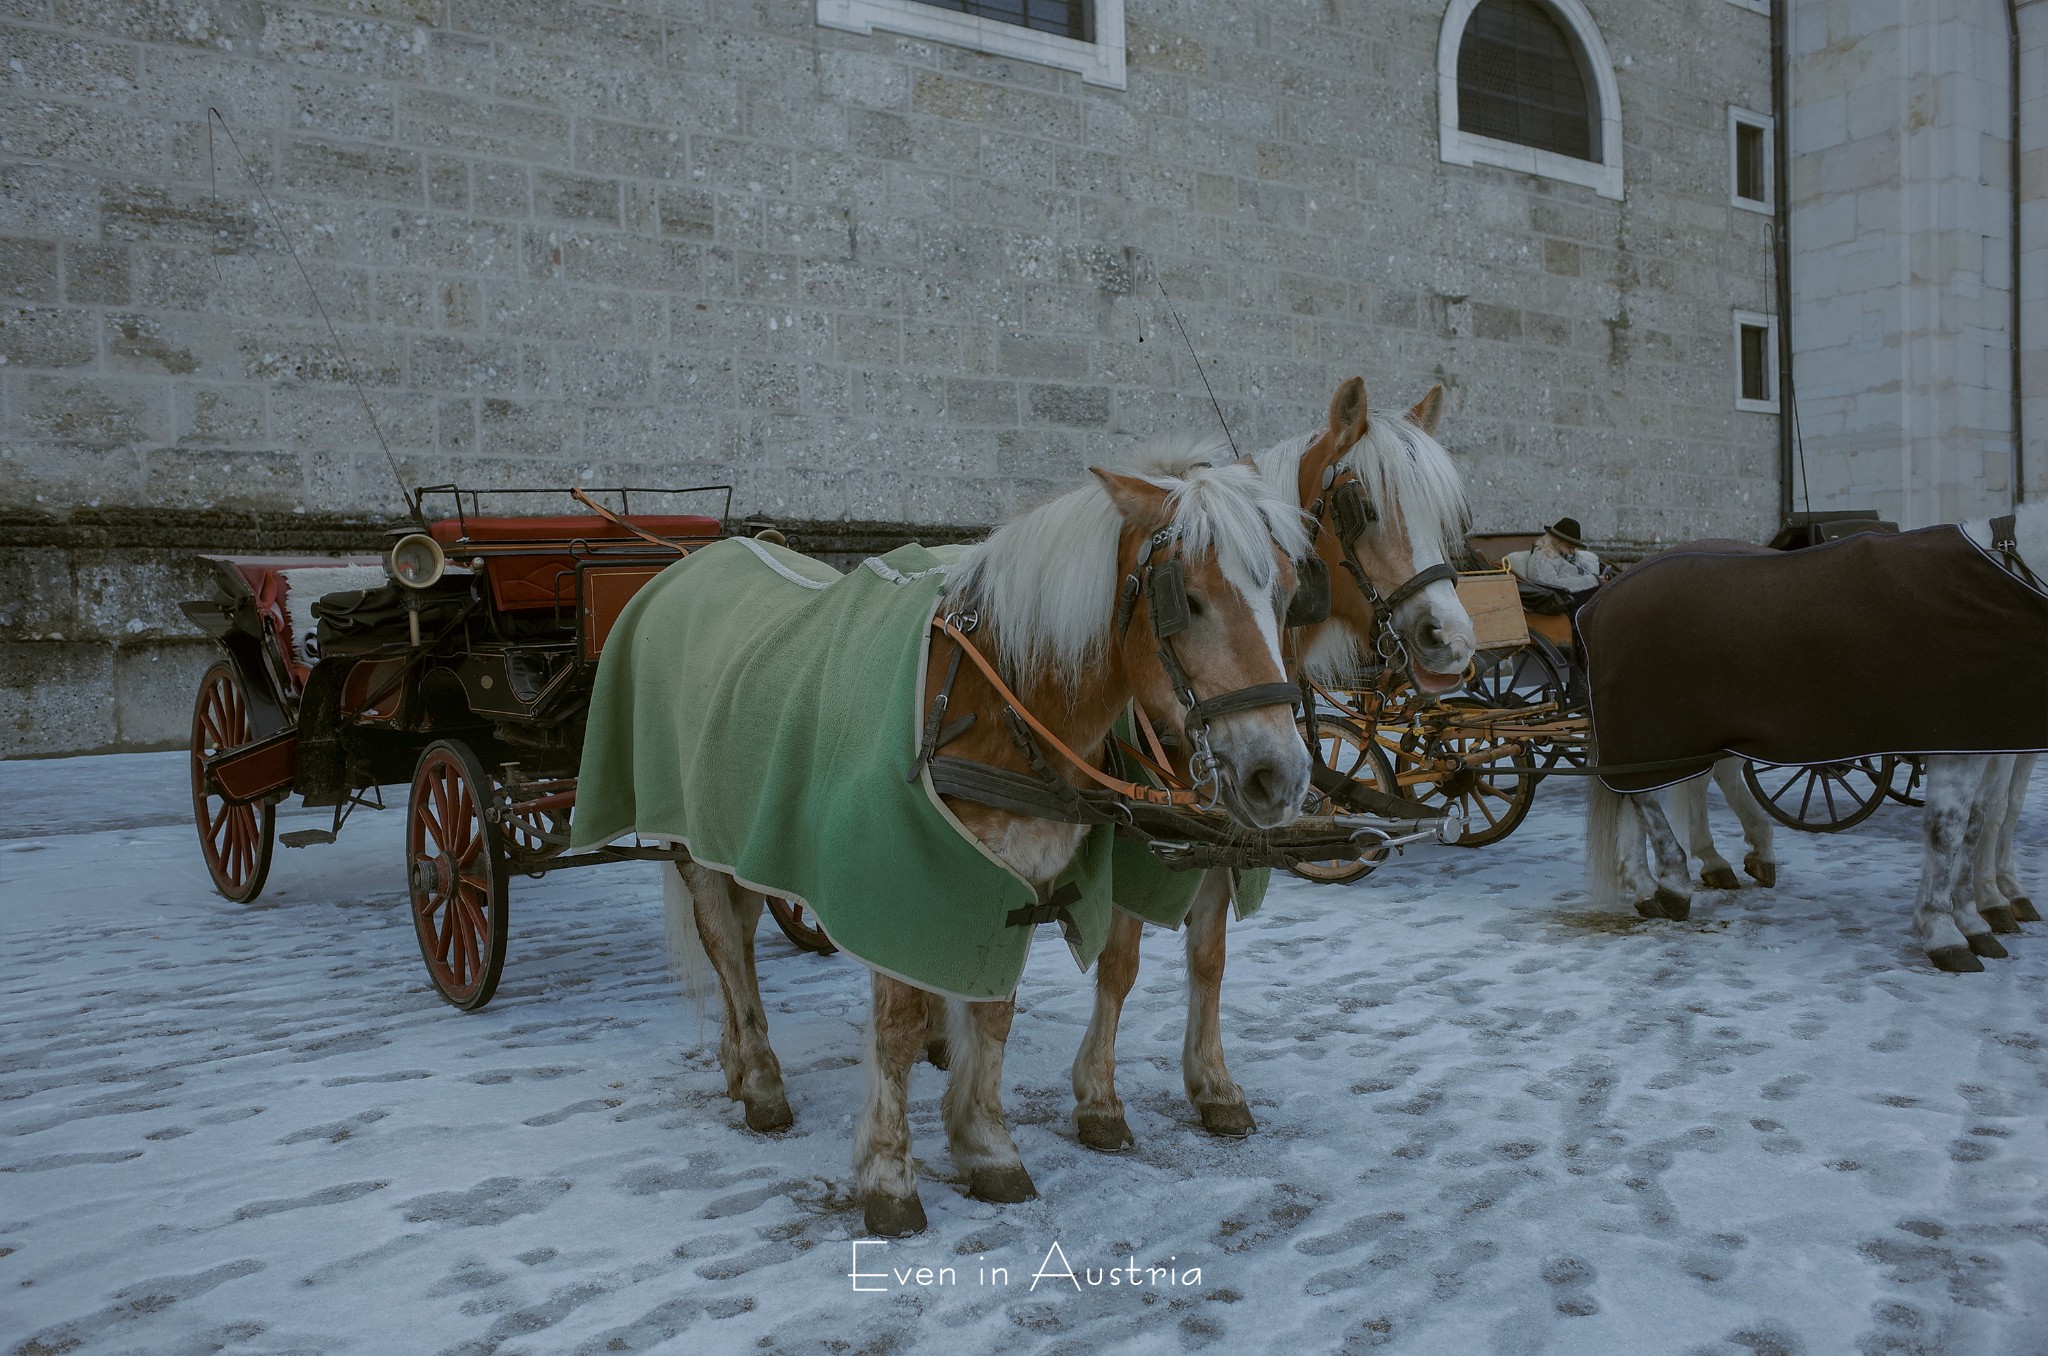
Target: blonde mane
1047,579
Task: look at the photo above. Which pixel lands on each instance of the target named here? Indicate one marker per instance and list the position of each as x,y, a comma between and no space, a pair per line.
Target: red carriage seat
546,580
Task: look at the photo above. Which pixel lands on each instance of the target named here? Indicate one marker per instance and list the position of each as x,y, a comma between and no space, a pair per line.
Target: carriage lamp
417,562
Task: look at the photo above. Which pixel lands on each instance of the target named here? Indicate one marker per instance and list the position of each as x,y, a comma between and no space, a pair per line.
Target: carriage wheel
455,869
1351,753
1915,768
1823,798
236,840
1535,675
1494,794
796,925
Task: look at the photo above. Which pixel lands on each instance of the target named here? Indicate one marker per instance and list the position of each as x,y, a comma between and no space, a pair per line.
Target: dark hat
1566,529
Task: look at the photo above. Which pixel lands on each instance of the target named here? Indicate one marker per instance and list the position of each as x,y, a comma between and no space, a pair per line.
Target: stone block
55,698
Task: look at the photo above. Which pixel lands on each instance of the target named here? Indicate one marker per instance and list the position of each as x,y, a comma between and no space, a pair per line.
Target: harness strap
1245,699
1435,574
1018,792
1151,795
1058,908
2006,541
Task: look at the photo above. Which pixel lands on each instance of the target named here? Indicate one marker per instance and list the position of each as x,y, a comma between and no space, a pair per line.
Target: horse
1385,506
1166,590
1967,891
1972,813
1619,847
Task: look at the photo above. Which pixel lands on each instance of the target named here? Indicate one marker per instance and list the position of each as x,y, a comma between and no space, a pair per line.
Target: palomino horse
1381,496
1062,601
1968,890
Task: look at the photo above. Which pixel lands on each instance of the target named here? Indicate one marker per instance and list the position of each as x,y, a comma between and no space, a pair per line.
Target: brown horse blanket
1920,642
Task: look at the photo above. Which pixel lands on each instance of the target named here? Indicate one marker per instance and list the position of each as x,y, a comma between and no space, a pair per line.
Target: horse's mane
1047,579
2030,526
1398,463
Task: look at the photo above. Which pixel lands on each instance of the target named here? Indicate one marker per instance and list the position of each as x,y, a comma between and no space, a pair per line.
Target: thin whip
348,363
1161,285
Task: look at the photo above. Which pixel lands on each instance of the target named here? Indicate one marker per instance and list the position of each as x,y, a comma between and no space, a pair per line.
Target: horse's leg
935,1052
1614,852
2015,799
973,1104
1673,897
1098,1112
1218,1098
1952,938
1760,863
1688,802
1990,809
882,1167
726,918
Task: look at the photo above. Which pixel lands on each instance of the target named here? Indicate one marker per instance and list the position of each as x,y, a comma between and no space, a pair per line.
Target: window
1083,36
1068,18
1749,159
1756,365
1527,85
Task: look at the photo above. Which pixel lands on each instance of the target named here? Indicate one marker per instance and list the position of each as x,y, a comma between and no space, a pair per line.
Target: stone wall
1902,264
866,279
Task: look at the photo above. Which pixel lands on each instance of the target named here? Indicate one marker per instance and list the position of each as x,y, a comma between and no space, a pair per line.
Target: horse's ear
1142,503
1428,412
1348,417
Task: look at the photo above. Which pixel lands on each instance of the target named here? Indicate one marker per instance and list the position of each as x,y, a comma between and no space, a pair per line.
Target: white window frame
1769,325
1742,117
1455,146
1100,62
1759,6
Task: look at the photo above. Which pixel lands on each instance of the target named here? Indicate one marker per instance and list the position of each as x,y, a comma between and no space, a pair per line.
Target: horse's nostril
1259,787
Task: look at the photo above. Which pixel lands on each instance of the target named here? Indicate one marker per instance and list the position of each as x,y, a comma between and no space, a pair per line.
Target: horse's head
1205,564
1386,505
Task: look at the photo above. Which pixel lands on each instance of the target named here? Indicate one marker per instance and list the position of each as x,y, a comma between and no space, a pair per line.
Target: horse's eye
1196,607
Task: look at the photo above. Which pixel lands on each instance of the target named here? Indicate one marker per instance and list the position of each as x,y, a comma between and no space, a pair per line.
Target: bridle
1349,511
1161,577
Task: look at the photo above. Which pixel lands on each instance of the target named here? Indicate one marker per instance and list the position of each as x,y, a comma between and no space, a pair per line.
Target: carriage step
305,837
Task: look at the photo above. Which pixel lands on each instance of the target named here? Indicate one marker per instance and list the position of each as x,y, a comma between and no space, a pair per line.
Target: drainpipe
2019,439
1781,231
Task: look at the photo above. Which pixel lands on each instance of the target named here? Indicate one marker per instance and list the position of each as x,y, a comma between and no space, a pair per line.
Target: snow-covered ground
1490,1121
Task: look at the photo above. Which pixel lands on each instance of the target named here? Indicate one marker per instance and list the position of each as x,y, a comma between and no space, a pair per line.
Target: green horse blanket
763,710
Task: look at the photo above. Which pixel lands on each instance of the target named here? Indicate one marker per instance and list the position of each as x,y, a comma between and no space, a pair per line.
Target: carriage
1481,752
458,664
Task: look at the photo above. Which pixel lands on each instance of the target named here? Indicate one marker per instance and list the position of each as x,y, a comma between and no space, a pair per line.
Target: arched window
1526,84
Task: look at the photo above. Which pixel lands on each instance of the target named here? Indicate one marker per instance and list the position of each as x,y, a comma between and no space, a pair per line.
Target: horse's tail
687,959
1605,824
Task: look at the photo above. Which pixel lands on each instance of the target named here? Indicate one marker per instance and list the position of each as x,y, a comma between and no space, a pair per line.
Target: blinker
1351,511
1311,601
1167,586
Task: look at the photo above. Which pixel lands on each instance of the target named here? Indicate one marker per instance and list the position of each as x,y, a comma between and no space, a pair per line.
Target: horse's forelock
1400,463
1048,578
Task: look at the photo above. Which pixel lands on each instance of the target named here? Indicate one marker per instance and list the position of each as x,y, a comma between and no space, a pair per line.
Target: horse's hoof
2001,920
1955,960
1984,944
1650,908
2024,910
893,1216
1006,1185
769,1116
1762,872
1227,1120
1106,1134
1675,906
936,1055
1720,878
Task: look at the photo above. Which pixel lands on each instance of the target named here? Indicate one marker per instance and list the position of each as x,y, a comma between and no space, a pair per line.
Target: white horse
1416,512
1968,890
1620,853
